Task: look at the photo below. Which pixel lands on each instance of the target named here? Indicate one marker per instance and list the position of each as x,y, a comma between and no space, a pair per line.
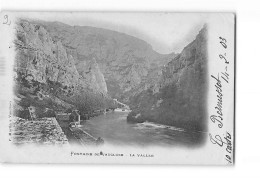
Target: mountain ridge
99,29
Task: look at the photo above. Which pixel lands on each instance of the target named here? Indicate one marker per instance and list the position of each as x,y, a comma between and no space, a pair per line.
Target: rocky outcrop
176,95
46,71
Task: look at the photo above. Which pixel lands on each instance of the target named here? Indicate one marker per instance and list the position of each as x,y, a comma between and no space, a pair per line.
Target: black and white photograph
119,87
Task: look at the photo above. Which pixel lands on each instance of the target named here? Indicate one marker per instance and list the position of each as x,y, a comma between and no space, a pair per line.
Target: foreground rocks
40,131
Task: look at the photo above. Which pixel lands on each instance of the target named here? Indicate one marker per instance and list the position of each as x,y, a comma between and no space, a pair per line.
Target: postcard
117,87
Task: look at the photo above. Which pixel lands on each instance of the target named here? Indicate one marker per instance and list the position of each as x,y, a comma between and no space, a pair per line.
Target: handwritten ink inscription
221,79
224,141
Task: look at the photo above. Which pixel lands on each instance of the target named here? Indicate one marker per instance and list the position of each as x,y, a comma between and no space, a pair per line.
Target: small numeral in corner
6,20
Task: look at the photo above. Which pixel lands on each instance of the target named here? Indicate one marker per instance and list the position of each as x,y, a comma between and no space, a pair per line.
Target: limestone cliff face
177,96
43,63
41,57
125,61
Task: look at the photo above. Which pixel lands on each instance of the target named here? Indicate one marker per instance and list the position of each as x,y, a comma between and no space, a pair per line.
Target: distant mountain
176,95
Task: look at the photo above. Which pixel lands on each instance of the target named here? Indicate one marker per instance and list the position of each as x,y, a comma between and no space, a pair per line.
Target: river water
115,130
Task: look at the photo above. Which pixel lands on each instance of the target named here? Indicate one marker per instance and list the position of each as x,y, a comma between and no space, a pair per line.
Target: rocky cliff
48,75
176,95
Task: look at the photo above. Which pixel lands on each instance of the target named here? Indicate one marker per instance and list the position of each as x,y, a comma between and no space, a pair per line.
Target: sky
166,32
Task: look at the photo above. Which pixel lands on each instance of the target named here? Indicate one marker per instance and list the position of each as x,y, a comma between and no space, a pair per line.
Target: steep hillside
177,93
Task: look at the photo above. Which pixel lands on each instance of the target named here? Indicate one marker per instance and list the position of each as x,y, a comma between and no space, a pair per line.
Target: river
115,130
